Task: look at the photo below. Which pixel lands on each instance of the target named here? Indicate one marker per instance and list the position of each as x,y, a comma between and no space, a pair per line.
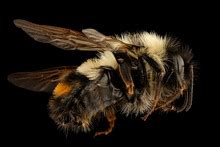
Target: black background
24,114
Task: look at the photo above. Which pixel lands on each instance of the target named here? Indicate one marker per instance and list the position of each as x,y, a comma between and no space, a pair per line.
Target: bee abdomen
66,107
74,110
68,115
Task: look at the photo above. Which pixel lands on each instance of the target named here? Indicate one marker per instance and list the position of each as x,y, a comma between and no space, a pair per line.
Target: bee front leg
110,116
167,105
184,89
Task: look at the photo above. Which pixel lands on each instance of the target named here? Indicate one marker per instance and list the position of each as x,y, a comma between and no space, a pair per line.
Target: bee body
134,74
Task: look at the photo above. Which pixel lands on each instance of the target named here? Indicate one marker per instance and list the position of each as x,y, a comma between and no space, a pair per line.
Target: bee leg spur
111,120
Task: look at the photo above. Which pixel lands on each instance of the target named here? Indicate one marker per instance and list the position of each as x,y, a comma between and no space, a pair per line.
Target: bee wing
107,41
60,37
40,81
111,43
87,40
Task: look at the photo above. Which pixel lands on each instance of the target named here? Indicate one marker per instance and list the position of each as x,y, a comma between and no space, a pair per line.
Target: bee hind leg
110,116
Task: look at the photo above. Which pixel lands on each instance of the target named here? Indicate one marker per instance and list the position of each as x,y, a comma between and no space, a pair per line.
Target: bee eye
120,60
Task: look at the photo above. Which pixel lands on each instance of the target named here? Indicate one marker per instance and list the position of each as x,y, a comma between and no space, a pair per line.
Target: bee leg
154,104
125,73
158,67
153,108
169,108
166,105
187,94
110,115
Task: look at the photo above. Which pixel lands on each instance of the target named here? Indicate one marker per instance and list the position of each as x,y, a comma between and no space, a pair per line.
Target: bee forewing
60,37
110,42
87,40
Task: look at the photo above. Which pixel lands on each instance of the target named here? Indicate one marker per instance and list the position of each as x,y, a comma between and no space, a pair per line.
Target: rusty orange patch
62,89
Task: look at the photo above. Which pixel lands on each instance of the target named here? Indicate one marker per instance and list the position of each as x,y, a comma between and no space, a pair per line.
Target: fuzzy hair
91,68
138,107
152,43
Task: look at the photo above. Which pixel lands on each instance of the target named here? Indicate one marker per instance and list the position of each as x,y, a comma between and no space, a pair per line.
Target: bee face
135,74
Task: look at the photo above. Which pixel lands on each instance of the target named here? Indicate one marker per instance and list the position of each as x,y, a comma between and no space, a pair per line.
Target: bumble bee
134,73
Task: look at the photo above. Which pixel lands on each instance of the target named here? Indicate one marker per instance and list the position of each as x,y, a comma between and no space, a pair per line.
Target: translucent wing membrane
60,37
40,81
87,40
